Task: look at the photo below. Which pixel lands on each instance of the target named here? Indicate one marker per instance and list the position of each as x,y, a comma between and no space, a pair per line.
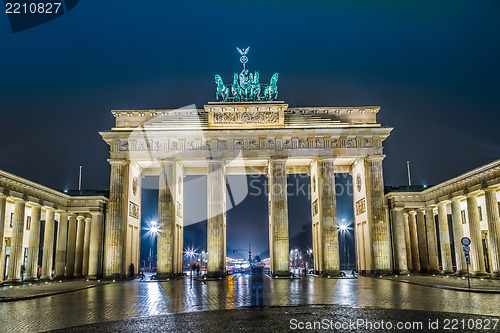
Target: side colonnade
428,225
65,232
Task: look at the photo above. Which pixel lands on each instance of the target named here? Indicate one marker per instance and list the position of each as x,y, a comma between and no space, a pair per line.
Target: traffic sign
466,249
465,241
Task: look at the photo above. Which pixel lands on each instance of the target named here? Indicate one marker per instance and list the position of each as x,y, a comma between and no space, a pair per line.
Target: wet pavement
179,303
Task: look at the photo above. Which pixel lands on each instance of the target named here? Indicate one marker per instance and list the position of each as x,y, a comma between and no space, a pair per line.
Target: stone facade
24,207
467,205
247,138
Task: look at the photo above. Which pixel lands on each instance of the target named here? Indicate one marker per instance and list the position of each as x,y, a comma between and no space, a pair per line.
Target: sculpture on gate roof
246,85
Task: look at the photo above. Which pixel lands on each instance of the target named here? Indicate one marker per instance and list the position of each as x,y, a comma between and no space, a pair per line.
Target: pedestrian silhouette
23,269
142,275
131,270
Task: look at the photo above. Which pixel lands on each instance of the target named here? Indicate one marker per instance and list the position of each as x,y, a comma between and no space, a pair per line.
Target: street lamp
343,230
152,233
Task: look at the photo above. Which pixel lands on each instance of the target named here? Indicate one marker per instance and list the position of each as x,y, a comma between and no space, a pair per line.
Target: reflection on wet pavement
127,299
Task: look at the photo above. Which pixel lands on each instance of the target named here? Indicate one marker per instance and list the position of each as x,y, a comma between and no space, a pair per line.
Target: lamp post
153,232
343,231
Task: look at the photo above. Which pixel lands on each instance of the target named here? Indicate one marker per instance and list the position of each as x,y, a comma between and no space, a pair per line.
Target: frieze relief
251,144
261,117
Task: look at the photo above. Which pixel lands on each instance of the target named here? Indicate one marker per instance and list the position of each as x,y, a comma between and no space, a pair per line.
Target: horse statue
222,90
236,90
271,91
255,92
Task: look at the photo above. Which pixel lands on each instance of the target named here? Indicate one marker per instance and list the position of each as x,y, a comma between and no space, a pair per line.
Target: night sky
432,66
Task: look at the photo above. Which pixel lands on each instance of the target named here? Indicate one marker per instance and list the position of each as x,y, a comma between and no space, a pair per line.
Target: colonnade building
428,225
50,233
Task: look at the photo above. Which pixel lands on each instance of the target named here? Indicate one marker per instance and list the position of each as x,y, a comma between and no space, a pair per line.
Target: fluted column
80,234
34,243
380,238
216,224
86,247
458,234
399,241
48,244
477,252
328,218
432,246
16,244
406,226
493,229
422,242
3,207
444,238
116,220
95,247
62,239
415,256
166,218
70,254
278,218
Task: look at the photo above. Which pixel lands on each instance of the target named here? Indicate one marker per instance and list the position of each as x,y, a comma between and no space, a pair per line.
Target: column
80,234
493,229
216,225
399,241
328,218
70,254
16,243
34,243
62,238
95,247
278,218
86,247
406,226
380,238
166,219
444,238
48,244
476,246
3,207
415,257
422,242
432,248
116,223
458,233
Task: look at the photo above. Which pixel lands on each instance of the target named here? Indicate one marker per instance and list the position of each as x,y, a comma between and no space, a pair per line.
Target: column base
383,272
423,271
434,271
31,279
332,274
403,272
166,276
282,274
480,273
13,282
217,275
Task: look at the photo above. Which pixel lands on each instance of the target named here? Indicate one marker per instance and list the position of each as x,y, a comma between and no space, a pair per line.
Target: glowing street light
344,230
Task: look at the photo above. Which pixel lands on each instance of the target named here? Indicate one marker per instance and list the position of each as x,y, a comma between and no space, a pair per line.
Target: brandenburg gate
247,131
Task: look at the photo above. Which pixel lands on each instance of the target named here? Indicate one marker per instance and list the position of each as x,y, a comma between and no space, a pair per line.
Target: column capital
326,159
458,198
406,214
80,218
34,204
473,194
444,202
398,208
48,209
96,213
492,188
88,220
117,162
17,200
165,161
375,158
412,212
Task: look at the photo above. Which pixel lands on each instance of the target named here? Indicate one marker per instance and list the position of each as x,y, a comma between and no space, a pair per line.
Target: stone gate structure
260,137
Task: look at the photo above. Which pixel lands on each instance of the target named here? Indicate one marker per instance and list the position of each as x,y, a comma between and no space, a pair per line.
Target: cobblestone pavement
42,289
128,299
477,284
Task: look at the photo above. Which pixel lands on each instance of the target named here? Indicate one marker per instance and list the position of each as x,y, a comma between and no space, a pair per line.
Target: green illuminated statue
246,86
